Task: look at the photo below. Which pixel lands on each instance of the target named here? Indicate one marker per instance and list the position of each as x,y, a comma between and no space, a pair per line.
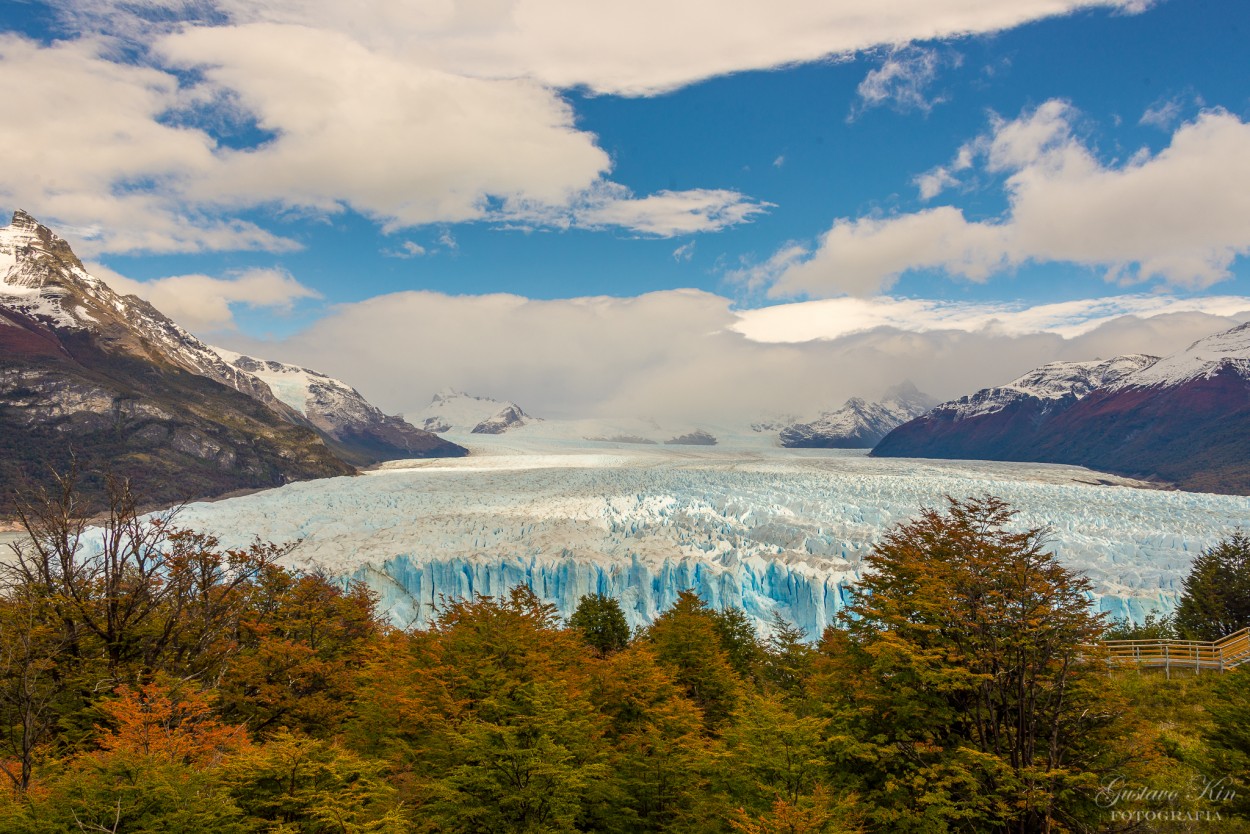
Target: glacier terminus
754,526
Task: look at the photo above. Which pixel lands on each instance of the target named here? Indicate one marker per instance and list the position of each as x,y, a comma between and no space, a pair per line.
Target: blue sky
925,181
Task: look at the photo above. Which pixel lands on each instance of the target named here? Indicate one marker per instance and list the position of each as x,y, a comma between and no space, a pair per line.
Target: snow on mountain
42,278
1203,359
1056,381
339,411
765,529
858,424
1183,420
111,378
457,412
509,417
104,382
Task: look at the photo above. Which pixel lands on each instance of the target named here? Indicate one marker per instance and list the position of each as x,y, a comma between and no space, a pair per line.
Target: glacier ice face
768,530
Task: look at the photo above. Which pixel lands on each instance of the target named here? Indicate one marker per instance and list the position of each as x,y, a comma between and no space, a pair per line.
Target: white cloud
779,161
394,139
409,113
407,249
689,354
401,142
901,81
684,252
88,151
1180,216
669,213
835,318
202,303
756,276
1163,113
637,48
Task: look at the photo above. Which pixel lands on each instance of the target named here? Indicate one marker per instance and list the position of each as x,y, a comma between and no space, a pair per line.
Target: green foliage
1154,627
960,695
1216,596
127,792
166,685
1228,739
601,622
737,639
687,640
294,784
788,657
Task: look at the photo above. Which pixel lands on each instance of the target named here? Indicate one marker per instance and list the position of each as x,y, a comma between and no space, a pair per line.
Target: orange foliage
170,723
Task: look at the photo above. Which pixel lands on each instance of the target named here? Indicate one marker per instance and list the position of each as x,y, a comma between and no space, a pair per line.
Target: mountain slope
1183,419
354,427
1005,422
108,383
858,424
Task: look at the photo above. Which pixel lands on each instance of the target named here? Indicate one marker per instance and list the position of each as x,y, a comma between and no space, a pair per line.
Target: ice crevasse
775,532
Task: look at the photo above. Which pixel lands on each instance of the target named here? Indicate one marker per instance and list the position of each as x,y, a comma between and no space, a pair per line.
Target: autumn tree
661,760
964,691
1215,600
300,643
517,744
88,604
153,770
687,640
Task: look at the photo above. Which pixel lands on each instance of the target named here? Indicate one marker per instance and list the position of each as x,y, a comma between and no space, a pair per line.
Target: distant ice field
743,524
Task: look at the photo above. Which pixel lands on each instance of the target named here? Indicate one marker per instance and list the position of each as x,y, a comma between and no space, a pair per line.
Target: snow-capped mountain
858,424
1227,352
42,279
1183,419
455,411
109,382
1006,422
358,429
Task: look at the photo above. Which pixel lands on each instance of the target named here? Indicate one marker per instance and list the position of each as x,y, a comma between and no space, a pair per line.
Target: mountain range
858,424
455,411
102,382
1183,419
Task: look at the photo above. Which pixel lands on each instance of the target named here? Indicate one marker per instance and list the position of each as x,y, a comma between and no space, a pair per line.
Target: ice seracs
766,529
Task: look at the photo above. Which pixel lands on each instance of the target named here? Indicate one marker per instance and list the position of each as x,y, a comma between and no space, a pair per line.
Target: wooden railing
1218,655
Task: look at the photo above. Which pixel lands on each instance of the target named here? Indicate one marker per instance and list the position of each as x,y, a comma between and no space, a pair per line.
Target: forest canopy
151,680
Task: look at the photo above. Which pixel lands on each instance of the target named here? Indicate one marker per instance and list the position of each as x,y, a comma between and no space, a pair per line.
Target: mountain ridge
1183,419
106,383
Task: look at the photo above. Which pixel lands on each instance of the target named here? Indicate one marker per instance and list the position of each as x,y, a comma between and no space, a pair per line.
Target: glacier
761,528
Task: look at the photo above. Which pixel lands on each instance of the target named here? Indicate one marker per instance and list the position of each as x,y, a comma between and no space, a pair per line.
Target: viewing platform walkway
1195,655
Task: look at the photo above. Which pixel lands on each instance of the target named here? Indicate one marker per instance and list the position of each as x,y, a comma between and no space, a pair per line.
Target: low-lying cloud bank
689,354
1180,216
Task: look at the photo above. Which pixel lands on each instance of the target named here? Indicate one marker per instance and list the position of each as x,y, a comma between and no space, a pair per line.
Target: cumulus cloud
202,303
1180,216
114,150
637,48
690,354
90,151
409,113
